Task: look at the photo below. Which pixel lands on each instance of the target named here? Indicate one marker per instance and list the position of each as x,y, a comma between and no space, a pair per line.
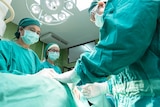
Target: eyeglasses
53,50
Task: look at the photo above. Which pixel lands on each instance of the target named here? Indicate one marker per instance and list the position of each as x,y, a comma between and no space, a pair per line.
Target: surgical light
62,16
51,12
54,12
35,9
48,18
69,5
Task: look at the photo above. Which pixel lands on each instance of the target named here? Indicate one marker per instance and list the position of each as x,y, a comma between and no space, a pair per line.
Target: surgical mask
30,37
99,20
53,56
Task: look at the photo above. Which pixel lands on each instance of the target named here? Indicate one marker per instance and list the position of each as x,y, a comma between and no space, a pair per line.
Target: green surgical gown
130,37
129,48
17,60
46,64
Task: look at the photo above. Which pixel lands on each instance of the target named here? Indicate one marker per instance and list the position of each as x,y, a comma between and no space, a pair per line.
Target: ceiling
78,29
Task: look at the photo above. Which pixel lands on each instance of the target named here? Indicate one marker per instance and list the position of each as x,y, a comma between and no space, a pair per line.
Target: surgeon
51,54
15,56
92,90
128,48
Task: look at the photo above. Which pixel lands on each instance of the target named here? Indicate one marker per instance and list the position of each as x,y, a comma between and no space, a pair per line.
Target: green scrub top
17,60
46,64
129,38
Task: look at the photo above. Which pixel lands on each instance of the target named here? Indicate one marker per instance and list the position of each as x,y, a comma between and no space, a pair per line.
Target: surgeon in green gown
51,54
15,56
129,49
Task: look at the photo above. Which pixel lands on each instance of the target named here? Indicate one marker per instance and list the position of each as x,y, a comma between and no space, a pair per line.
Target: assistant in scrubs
128,48
51,54
15,56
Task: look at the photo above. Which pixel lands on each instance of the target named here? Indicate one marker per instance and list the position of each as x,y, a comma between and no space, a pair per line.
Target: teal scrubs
17,60
46,64
129,48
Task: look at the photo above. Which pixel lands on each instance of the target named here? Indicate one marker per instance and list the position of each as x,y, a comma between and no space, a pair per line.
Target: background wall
66,66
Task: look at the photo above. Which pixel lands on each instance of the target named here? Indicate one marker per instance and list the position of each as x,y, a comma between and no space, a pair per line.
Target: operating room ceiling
77,29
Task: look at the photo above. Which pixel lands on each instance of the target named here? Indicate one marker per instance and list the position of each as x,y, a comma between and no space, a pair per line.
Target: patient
33,91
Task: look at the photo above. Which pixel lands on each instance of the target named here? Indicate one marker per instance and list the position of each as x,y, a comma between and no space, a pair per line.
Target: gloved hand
47,72
68,77
100,7
94,89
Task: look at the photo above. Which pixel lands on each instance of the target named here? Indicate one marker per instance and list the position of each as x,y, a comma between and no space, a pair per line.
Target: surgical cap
49,46
26,22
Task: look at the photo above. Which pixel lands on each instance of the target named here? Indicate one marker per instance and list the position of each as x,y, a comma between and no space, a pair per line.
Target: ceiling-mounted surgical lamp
54,12
51,12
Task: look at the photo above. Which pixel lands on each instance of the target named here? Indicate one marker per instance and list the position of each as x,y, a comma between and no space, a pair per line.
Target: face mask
99,20
53,56
30,37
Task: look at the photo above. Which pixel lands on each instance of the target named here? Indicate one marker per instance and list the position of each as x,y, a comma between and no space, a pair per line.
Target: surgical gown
17,60
46,64
129,48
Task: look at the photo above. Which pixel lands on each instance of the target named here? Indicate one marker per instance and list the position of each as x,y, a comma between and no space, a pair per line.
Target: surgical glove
101,7
94,90
68,77
46,72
